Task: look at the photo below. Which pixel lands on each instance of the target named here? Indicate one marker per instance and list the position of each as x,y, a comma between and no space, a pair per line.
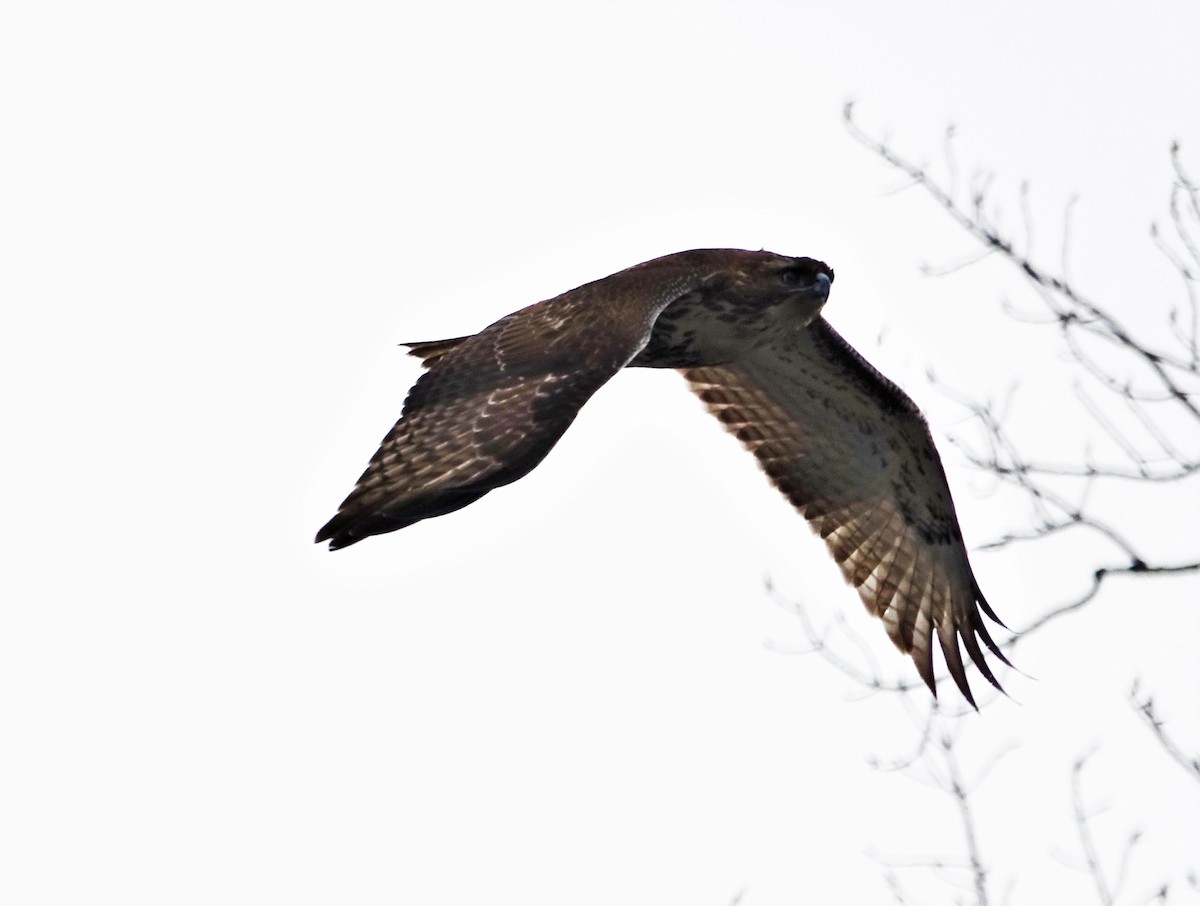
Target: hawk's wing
853,454
492,405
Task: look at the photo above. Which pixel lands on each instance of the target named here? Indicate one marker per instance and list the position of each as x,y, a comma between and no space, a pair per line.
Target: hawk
839,440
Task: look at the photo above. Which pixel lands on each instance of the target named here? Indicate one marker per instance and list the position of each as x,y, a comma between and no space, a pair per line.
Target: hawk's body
846,446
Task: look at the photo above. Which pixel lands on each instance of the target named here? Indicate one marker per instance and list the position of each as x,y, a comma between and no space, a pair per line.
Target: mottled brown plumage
846,446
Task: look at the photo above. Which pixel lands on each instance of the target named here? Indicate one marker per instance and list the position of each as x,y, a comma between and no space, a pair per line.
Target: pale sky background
216,223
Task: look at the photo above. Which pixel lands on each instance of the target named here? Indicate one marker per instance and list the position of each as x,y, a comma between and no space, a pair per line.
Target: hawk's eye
790,277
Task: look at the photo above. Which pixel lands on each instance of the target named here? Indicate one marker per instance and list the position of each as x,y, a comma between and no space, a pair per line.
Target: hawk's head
766,279
754,280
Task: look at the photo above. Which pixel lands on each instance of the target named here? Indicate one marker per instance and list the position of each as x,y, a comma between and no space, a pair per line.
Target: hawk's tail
432,350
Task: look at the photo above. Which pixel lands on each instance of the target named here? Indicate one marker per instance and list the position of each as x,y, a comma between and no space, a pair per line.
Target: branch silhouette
1141,391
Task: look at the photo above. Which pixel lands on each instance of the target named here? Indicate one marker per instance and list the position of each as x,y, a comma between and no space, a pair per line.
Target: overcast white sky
216,223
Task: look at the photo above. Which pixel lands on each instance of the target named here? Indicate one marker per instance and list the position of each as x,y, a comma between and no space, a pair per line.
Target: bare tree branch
1145,709
1139,387
1106,890
1142,395
1173,372
959,791
1098,578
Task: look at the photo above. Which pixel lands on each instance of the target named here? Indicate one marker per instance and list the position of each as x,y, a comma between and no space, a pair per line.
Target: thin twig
1145,709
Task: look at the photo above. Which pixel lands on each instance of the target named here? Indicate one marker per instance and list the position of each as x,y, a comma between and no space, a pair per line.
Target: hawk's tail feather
430,351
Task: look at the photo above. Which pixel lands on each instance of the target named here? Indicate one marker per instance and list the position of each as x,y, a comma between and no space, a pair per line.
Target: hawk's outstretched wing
852,453
492,405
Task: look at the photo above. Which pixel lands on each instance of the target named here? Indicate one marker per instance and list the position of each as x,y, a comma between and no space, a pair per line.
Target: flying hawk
839,440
